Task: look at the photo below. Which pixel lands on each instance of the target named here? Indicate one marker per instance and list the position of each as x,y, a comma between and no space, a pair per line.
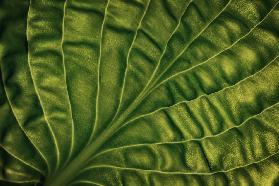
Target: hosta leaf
139,92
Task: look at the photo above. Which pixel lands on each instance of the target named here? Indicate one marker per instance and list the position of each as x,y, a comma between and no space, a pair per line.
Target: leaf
140,92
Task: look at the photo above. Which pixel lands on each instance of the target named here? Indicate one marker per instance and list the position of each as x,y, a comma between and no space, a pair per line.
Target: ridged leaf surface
139,92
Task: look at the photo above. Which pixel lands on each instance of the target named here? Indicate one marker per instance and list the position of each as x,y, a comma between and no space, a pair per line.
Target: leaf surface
140,92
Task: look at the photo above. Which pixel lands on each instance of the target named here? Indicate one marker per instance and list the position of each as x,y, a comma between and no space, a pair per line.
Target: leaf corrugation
13,139
139,92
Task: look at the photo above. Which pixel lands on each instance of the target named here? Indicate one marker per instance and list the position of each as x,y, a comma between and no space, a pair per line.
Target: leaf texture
139,92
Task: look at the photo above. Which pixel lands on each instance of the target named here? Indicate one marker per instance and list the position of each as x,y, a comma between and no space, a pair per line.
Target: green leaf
139,92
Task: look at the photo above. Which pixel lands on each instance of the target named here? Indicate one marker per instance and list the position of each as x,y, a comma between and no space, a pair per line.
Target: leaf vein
98,81
65,79
184,173
217,54
203,95
21,160
39,98
189,140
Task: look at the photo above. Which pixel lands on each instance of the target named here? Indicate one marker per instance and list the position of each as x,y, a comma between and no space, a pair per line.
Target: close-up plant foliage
139,92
